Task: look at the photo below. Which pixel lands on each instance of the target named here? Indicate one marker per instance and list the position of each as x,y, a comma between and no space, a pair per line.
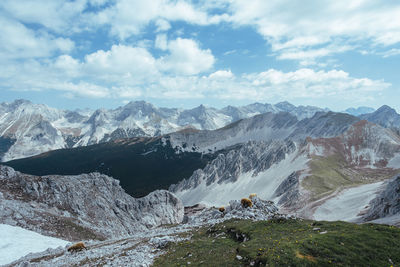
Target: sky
105,53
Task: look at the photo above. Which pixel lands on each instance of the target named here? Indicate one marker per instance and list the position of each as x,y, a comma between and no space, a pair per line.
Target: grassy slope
287,243
141,165
332,172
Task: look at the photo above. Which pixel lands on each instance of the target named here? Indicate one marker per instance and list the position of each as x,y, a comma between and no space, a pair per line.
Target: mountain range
28,129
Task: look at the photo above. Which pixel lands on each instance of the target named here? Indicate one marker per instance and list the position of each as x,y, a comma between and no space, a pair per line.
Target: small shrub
252,195
77,247
246,203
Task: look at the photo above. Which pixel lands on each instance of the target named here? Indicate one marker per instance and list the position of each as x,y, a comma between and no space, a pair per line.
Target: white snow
395,162
347,204
16,242
264,184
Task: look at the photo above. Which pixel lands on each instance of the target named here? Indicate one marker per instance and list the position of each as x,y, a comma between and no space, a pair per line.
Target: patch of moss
284,242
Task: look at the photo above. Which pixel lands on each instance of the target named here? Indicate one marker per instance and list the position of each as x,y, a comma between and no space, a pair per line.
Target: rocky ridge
264,127
87,206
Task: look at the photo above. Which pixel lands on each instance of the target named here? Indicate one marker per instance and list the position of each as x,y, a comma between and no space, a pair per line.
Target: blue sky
99,53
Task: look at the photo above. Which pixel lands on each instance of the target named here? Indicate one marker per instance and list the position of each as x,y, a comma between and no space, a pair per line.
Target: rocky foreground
119,230
141,248
116,228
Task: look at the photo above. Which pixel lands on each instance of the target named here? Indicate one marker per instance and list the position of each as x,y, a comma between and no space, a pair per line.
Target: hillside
282,242
142,165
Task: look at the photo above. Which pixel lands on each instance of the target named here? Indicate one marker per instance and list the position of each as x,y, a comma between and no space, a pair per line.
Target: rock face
87,206
387,203
252,157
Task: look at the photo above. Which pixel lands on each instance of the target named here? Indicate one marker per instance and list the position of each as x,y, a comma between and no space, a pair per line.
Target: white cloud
186,57
17,41
121,60
221,74
57,15
121,72
161,42
128,17
307,83
312,27
391,52
128,72
162,25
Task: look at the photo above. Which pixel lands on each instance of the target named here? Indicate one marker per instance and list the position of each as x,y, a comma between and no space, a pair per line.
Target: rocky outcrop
288,191
387,203
87,206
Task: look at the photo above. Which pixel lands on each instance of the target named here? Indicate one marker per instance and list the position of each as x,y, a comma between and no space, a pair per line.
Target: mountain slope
142,165
264,127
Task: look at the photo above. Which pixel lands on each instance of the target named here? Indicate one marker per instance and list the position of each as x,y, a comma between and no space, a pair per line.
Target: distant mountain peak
385,109
359,111
384,116
285,106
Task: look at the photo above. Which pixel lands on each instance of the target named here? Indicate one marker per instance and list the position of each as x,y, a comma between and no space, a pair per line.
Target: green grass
326,175
283,242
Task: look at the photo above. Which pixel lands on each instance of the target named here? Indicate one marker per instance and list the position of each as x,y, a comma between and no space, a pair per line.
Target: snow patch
17,242
346,205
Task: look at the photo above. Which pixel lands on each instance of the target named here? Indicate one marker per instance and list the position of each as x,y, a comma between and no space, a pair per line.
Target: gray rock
86,206
387,203
252,156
